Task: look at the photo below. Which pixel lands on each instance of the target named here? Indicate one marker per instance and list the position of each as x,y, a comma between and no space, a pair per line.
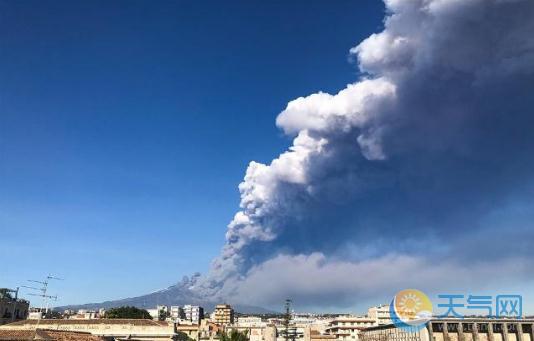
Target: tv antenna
43,289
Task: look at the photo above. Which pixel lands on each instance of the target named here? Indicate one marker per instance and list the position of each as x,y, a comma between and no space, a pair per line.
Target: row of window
482,327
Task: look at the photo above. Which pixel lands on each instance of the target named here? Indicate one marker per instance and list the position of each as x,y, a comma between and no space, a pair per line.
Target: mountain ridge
180,293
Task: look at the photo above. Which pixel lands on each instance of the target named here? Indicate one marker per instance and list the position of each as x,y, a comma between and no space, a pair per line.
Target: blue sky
126,126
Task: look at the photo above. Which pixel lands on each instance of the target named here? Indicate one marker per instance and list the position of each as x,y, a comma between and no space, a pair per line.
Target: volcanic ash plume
431,146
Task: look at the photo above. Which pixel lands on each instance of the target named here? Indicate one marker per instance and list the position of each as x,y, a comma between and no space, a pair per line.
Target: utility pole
16,292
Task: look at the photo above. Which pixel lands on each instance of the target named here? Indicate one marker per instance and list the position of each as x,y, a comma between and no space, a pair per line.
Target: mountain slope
178,294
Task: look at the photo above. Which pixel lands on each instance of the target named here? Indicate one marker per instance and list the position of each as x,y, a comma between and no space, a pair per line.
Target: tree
127,313
5,293
181,336
162,315
234,335
289,332
54,314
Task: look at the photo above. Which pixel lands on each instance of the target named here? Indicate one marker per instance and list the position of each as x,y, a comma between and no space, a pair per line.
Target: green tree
181,336
162,315
234,335
54,314
127,313
4,293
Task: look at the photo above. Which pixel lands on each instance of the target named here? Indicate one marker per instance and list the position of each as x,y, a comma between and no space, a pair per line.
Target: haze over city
331,152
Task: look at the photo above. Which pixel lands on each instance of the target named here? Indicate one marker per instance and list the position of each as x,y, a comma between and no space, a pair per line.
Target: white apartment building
154,313
250,321
380,314
347,328
193,313
101,312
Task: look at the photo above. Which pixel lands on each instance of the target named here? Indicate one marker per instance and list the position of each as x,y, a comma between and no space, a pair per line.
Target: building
191,330
466,329
177,313
52,335
259,333
101,312
109,329
35,315
87,315
209,330
347,328
249,321
224,314
380,314
12,308
159,311
193,313
312,334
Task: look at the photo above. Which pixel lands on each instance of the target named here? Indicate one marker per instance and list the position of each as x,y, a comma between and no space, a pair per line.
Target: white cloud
314,280
352,107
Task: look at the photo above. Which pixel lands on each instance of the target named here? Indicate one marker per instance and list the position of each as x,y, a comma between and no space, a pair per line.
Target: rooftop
135,322
40,334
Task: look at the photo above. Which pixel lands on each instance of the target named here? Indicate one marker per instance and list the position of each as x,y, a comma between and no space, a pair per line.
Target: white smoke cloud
440,115
338,283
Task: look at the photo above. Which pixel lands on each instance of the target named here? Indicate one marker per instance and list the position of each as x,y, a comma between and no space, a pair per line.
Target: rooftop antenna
43,289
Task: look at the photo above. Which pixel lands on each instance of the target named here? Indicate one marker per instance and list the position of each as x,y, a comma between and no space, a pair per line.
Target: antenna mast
43,289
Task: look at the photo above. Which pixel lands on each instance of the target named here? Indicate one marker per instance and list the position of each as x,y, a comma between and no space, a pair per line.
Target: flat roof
135,322
43,334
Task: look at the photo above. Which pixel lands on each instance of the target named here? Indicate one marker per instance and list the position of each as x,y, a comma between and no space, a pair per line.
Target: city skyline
334,153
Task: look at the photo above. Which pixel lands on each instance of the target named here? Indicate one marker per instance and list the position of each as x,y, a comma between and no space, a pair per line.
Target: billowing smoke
419,172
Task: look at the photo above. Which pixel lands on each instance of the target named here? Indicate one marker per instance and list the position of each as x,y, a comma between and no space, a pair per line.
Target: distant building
154,313
191,330
86,315
193,313
260,333
101,312
68,312
449,329
224,314
177,312
208,330
11,307
158,311
311,334
380,314
35,315
347,328
249,321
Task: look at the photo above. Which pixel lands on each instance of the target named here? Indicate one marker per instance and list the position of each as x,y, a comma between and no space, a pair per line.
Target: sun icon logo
410,308
410,303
